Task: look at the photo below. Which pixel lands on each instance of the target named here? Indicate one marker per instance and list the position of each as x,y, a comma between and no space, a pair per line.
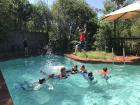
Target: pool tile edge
5,98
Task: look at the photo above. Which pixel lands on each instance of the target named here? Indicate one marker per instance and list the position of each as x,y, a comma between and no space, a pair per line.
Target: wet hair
41,81
63,69
83,66
105,69
90,74
75,66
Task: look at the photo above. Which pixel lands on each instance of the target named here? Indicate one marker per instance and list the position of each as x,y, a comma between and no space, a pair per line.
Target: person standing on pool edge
25,44
81,45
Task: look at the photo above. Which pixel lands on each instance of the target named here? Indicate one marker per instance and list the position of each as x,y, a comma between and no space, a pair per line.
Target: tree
103,36
116,29
41,17
6,18
69,15
23,12
136,27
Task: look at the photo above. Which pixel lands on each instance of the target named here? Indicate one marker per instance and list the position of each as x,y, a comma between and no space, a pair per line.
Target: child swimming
82,69
62,75
31,86
105,73
89,76
74,69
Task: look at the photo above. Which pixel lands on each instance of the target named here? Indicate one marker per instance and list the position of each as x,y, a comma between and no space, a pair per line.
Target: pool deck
5,98
117,59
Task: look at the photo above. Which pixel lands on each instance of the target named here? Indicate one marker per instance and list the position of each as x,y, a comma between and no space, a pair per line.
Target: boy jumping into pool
81,44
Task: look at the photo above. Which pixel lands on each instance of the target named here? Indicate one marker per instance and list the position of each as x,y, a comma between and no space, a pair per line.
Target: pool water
123,88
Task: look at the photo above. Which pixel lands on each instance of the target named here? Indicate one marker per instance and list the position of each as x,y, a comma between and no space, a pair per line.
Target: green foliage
136,27
41,17
6,19
118,2
69,16
116,29
103,35
64,20
109,6
96,55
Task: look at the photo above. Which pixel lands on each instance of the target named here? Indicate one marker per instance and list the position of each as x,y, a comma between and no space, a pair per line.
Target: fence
13,44
131,45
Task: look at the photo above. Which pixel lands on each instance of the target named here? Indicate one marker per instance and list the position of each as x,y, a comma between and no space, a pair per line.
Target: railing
131,45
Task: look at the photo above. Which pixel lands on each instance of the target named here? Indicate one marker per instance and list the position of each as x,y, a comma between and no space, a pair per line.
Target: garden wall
13,44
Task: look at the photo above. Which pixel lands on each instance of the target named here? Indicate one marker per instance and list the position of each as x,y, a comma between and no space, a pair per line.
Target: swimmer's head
90,74
63,69
41,81
75,66
83,66
105,69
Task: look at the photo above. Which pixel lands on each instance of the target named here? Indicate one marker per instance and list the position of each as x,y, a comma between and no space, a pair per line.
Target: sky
93,3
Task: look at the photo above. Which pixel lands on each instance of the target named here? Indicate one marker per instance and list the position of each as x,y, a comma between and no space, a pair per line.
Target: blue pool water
123,88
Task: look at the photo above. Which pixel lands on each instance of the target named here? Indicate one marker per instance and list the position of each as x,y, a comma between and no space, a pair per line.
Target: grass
95,55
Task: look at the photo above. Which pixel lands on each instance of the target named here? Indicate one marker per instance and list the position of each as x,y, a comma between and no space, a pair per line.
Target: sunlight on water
122,88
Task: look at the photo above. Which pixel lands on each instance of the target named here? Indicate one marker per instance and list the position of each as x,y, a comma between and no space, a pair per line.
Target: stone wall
14,42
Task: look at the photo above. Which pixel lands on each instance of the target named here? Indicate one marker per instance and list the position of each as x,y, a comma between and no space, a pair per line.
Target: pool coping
5,98
89,60
85,60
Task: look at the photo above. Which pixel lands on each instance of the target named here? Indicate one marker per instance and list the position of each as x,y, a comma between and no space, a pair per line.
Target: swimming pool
123,87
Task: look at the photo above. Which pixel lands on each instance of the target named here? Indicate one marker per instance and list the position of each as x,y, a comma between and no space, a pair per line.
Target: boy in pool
82,69
62,75
90,76
105,73
74,70
32,86
86,74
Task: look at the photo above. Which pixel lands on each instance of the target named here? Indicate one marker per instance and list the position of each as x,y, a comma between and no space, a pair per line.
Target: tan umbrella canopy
129,11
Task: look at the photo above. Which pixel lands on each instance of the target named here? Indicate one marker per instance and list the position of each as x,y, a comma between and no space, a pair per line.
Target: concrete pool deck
5,98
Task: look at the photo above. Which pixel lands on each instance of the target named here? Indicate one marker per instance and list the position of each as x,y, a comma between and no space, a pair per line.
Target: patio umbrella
129,11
